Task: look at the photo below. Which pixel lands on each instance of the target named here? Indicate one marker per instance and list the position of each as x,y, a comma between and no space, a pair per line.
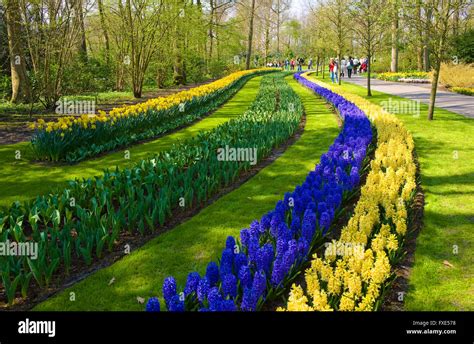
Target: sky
298,7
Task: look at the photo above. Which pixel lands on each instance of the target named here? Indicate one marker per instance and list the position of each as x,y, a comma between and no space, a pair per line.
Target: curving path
454,102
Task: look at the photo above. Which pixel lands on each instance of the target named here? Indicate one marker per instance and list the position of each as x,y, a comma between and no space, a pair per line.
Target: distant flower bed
416,77
72,139
414,81
468,91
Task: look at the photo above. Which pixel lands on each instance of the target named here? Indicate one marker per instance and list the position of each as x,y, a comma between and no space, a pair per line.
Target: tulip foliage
87,218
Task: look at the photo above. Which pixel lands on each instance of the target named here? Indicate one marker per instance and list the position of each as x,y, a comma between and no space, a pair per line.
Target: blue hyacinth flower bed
261,265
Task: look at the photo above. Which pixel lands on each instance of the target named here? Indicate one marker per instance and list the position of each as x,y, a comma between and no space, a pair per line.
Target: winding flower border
271,252
350,280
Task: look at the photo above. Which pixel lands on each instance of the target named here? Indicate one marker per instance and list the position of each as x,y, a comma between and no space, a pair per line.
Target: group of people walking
349,67
294,64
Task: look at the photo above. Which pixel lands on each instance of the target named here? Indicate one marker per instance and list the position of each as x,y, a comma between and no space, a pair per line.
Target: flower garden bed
72,139
258,267
358,280
140,199
409,77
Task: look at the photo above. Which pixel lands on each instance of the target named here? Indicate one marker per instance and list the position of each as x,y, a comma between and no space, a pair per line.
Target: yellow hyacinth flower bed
161,103
351,274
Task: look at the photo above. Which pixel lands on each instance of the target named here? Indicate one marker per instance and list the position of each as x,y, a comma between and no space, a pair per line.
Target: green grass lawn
21,179
191,245
445,148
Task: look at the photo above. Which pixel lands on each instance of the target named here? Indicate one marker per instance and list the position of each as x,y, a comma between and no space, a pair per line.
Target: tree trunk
267,39
369,67
419,33
456,22
119,80
278,26
104,31
20,84
250,38
394,61
137,90
211,37
80,18
317,65
179,75
323,66
426,58
434,90
339,68
426,42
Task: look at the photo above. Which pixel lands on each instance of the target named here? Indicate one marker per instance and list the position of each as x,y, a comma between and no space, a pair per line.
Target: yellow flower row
402,75
161,103
351,280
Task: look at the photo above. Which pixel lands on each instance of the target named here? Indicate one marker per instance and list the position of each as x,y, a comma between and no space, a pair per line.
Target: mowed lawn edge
191,245
22,180
445,149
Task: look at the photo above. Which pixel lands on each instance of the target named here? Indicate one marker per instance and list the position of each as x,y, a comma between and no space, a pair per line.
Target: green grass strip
22,180
445,148
191,245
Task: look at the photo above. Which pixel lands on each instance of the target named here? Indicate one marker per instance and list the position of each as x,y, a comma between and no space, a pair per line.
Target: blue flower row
271,251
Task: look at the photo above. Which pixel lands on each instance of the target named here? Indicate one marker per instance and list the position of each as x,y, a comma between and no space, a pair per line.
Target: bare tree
438,23
279,8
52,37
103,23
369,18
78,8
217,10
146,24
337,12
250,36
179,74
395,15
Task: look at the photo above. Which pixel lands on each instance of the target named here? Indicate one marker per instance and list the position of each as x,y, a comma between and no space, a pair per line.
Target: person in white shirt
356,65
343,67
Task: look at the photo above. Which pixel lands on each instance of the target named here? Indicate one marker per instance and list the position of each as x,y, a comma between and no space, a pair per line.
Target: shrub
457,75
463,46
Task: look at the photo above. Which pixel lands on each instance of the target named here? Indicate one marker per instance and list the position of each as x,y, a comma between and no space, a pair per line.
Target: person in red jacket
333,70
